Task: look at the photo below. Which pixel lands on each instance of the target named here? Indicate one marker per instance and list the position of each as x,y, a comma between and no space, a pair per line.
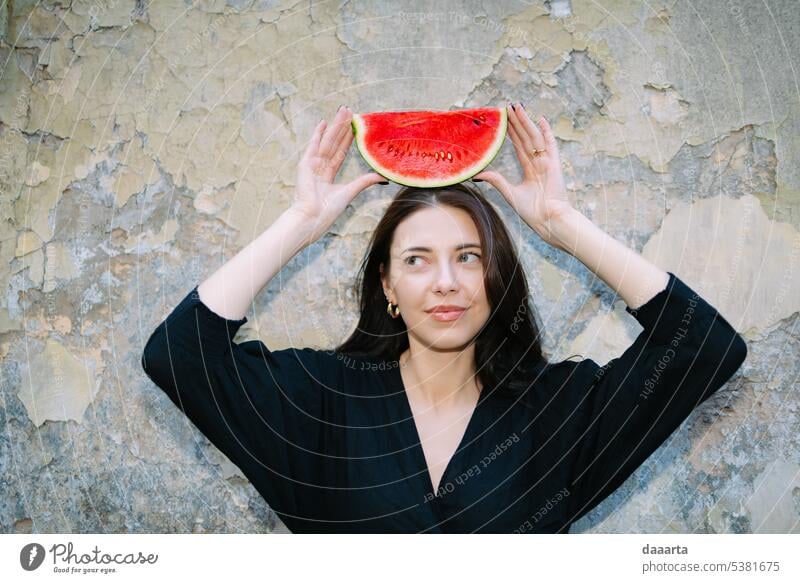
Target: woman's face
436,259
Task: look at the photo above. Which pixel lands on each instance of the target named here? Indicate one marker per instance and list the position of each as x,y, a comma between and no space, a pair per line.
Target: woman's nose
446,278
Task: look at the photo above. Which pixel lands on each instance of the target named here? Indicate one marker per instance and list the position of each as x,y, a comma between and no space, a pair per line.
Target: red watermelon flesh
430,148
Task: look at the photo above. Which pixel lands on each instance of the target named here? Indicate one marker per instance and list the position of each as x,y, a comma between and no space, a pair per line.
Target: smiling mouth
447,315
445,309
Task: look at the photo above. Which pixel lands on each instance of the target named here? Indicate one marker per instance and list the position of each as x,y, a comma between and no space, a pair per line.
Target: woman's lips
447,316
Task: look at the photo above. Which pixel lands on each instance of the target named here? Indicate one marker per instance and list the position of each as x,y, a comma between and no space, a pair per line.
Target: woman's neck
439,379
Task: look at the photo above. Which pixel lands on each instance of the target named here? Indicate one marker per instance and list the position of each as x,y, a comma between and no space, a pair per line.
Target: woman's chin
444,342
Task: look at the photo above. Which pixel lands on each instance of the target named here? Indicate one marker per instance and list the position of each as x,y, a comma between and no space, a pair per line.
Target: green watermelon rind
360,130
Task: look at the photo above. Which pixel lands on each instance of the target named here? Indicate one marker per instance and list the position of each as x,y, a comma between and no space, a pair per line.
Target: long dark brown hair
507,348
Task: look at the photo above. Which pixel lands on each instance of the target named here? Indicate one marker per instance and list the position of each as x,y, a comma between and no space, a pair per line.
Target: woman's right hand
541,199
317,198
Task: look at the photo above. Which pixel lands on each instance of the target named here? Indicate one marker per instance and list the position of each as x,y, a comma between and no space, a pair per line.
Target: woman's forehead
436,228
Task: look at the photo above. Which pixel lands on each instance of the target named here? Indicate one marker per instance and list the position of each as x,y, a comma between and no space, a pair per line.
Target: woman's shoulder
563,379
568,366
317,362
357,372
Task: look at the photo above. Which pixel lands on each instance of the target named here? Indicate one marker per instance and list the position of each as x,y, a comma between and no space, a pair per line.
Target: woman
439,413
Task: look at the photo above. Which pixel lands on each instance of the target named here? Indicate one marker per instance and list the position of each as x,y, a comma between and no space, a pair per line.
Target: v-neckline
420,452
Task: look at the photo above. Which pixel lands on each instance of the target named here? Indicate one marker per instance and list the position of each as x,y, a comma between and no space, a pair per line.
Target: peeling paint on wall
142,144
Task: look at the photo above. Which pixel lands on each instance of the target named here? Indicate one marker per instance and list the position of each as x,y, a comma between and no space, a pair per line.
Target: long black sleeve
626,409
263,409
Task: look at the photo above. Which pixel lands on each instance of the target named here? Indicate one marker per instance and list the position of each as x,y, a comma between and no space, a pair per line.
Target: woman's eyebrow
428,249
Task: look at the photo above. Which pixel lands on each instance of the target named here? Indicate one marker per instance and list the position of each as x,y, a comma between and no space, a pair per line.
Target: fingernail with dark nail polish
383,183
477,180
512,107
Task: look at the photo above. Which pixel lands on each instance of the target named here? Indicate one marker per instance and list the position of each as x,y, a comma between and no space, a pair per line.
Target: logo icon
31,556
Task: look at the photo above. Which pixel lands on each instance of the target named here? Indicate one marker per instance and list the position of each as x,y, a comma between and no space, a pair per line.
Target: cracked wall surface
143,143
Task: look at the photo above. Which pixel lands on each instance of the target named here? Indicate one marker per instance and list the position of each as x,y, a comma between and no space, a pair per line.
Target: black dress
330,442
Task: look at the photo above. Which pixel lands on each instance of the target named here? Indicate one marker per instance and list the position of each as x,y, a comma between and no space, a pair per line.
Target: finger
313,146
347,126
547,134
338,157
342,130
524,137
355,186
497,180
520,149
343,145
331,164
530,127
513,122
500,183
331,137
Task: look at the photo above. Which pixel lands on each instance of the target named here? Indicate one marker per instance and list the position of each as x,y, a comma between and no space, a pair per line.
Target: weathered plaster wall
142,143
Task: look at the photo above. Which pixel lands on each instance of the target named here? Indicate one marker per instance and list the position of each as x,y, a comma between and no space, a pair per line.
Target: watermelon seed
436,155
449,156
476,122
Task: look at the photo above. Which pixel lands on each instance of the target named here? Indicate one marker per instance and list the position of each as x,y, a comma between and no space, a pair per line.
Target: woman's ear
383,280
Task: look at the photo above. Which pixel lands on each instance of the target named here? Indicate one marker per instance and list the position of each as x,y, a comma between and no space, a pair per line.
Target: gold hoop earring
393,312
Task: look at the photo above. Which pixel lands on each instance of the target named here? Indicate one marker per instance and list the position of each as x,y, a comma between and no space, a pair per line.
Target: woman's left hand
541,197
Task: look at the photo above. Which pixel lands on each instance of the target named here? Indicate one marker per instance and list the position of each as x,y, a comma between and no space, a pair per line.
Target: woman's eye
470,253
409,260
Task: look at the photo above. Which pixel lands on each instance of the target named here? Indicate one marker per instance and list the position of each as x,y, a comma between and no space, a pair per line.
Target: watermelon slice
430,148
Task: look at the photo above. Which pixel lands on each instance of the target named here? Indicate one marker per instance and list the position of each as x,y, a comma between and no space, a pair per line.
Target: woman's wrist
631,276
563,230
301,227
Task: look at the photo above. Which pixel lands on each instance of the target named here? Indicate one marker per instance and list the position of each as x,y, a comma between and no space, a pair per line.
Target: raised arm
318,202
230,290
635,279
542,201
267,410
620,413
